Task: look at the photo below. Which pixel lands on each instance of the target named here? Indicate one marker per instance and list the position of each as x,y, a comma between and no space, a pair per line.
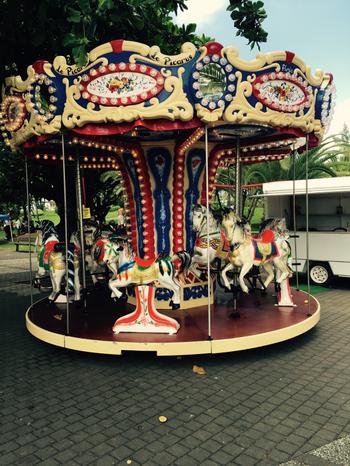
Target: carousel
182,278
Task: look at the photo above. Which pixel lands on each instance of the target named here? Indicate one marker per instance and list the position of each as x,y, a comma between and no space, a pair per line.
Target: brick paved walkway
260,407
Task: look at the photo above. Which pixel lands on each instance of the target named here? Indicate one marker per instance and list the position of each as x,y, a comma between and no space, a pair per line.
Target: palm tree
321,163
342,164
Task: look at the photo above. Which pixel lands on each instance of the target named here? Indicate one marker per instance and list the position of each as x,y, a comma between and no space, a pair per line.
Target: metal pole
238,179
307,219
29,237
11,232
207,202
65,227
81,226
295,223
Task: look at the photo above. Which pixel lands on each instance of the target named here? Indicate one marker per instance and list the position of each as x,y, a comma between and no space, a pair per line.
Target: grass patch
314,289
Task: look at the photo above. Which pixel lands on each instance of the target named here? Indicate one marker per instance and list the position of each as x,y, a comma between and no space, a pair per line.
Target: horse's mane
48,229
272,224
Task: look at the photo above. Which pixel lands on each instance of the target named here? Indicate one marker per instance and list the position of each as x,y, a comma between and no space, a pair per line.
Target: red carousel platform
260,323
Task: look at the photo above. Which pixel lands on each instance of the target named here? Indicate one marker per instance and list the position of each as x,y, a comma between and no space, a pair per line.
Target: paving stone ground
268,406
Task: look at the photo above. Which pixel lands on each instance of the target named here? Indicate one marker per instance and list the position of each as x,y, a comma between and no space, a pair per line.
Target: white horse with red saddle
269,252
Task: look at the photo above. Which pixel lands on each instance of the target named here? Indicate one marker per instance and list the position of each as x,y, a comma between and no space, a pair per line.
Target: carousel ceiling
127,82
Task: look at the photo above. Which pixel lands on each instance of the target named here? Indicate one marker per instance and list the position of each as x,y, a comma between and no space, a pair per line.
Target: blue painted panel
159,160
195,164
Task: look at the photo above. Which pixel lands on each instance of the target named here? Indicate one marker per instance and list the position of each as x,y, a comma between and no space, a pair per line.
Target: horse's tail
70,284
289,256
185,261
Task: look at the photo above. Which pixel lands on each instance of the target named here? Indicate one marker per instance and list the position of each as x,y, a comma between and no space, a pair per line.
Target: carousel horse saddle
99,250
264,251
143,264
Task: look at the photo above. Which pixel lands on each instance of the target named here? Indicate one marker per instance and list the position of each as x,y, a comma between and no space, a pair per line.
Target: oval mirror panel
212,82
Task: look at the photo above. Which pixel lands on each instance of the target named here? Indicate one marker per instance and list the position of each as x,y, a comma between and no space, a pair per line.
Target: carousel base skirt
260,323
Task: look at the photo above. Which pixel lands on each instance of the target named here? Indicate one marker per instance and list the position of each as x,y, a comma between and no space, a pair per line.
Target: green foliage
342,163
12,174
321,163
44,29
103,192
248,17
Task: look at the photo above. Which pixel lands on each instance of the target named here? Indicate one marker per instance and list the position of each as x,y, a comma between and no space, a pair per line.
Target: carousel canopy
127,85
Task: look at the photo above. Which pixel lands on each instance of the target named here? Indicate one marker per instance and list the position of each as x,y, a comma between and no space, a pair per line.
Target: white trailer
329,223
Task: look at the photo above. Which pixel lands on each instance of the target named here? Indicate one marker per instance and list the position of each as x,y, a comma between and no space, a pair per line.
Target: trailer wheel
320,273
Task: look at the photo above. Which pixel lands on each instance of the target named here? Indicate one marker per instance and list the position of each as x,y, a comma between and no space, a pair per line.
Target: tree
103,191
43,29
342,164
321,160
248,17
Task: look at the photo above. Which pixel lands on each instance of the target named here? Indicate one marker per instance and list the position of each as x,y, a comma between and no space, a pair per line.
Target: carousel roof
128,85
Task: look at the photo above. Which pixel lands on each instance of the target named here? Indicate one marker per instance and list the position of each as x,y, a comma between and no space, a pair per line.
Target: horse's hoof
171,302
175,306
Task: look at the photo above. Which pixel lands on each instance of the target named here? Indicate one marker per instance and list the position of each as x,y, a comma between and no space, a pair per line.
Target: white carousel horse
216,247
247,252
52,259
133,270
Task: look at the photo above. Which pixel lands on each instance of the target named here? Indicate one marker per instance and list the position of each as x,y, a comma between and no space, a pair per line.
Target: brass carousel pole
238,178
29,237
208,231
65,228
295,223
307,220
81,226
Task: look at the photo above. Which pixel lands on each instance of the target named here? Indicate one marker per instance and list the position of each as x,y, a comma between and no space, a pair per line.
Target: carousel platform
260,323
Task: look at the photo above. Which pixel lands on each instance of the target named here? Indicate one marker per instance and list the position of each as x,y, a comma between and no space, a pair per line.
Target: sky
318,31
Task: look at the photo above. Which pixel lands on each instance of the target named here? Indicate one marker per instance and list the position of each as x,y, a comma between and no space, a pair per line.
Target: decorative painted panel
121,84
283,91
194,164
159,161
124,81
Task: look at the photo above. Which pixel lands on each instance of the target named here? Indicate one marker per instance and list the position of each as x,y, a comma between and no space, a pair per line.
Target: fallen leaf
128,461
198,370
162,418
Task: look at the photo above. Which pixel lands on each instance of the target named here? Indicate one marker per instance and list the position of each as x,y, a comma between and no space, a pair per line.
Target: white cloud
341,116
200,11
